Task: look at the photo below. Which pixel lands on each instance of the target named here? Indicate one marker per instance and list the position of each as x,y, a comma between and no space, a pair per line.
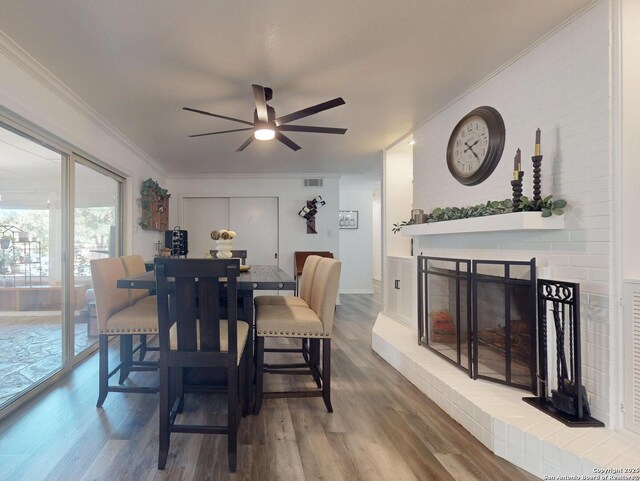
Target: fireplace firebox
480,316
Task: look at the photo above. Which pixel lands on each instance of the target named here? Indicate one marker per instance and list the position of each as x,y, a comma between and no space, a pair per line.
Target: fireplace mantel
515,221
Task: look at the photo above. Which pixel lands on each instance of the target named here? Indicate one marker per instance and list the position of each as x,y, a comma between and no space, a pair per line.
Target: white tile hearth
497,416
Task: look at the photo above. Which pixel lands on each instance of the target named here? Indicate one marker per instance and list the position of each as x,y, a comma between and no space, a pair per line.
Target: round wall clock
475,146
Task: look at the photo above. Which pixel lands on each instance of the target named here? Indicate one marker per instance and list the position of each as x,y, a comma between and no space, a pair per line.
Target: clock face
476,145
471,144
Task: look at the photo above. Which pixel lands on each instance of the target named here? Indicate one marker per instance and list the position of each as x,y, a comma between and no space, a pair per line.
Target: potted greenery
151,199
5,241
547,207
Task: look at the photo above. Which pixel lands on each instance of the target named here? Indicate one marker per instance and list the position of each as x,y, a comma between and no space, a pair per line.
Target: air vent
313,182
632,355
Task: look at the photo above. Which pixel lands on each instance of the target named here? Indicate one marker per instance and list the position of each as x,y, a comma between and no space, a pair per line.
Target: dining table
257,278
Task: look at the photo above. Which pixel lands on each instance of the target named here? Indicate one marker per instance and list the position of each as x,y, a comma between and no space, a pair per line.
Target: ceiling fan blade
246,143
287,141
220,132
329,104
203,112
306,128
261,102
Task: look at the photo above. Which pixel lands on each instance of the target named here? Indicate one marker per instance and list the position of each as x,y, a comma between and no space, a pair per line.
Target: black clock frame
495,125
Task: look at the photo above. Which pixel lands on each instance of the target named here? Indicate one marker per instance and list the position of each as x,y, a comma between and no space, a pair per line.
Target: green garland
150,190
546,206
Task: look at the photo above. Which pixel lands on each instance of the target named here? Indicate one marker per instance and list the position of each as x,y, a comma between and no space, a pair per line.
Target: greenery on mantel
150,191
546,206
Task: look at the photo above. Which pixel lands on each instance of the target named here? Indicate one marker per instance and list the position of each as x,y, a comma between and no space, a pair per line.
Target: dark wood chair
193,335
240,254
299,258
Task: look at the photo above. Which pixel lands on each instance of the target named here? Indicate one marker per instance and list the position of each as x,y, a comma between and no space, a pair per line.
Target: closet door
255,220
200,216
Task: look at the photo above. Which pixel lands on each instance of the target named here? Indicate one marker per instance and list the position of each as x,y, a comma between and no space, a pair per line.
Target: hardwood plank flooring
383,428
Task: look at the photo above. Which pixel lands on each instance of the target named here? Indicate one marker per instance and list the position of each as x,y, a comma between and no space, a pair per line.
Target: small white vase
224,248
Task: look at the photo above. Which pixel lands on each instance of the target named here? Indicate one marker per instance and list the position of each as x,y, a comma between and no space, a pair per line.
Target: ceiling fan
266,126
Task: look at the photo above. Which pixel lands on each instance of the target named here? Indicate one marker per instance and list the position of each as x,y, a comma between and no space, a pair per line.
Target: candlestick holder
537,188
516,187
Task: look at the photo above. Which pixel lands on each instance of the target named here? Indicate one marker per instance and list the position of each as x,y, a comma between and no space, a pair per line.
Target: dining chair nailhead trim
132,331
287,333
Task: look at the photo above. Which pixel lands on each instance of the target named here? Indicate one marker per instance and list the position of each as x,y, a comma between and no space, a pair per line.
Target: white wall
628,142
376,223
630,64
398,196
292,196
29,91
356,245
561,86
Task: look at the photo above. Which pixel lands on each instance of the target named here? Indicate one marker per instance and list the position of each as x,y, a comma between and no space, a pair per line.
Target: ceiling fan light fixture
266,126
264,133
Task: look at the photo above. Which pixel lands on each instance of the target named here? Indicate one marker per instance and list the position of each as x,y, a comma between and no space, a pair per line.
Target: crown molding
267,175
47,79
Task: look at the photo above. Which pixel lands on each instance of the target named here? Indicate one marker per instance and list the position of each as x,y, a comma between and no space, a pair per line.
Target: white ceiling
396,63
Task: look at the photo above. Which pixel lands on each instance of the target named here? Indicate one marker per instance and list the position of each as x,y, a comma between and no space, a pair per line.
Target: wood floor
383,428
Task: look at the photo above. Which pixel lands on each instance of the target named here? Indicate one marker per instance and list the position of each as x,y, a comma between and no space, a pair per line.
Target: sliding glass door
96,233
57,212
32,281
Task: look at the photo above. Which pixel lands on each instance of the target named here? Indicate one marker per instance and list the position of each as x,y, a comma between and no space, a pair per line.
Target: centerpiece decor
224,242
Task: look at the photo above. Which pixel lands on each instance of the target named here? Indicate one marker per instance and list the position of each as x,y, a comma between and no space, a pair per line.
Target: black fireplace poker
568,402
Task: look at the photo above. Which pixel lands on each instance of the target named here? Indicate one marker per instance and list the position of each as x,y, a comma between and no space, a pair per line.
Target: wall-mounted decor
475,146
348,219
309,211
154,201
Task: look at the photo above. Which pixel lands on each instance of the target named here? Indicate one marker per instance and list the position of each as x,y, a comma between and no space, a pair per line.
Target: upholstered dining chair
134,265
299,260
308,273
118,317
314,322
193,335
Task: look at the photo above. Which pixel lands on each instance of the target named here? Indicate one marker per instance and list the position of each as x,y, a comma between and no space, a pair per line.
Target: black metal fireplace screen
480,316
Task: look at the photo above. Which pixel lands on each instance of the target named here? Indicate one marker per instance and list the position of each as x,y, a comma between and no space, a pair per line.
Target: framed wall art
348,219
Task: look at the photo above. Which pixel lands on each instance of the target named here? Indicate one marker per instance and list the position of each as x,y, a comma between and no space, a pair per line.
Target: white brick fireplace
562,86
